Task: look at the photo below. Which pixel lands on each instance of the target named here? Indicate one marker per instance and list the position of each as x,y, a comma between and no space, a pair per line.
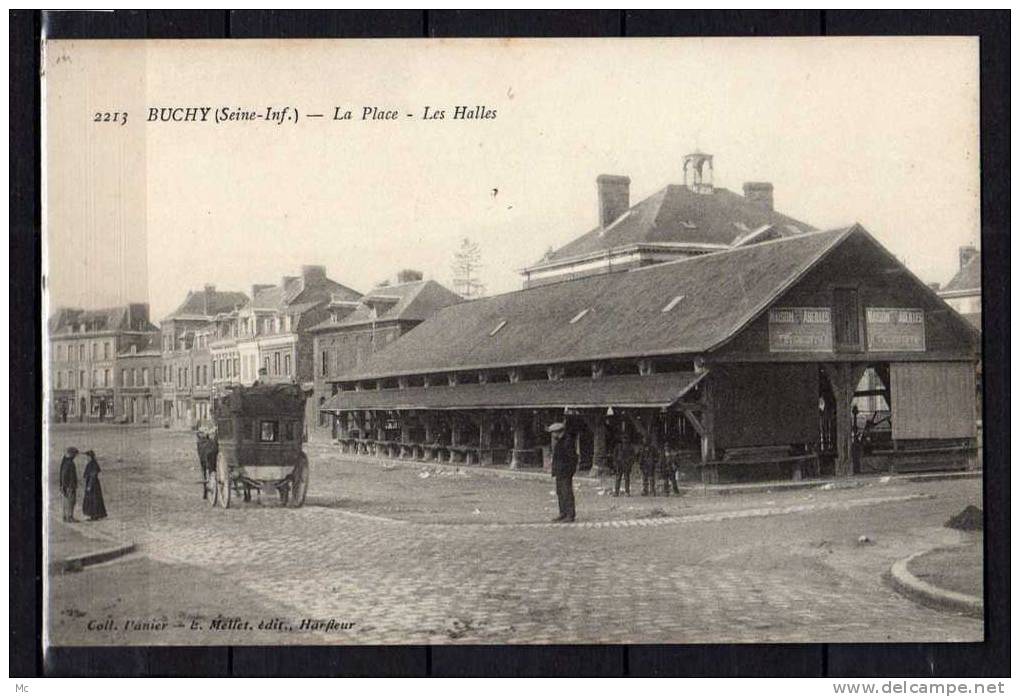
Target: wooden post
707,422
485,439
517,425
451,456
598,430
843,377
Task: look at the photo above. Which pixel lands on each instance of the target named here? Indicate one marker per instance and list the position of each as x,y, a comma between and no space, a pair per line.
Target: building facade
353,331
85,359
186,335
139,378
963,292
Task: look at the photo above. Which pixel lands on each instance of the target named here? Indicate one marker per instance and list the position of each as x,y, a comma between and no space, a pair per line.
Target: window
81,352
145,377
81,379
93,350
286,364
276,363
106,351
268,431
60,380
123,378
325,363
846,318
134,377
106,378
237,366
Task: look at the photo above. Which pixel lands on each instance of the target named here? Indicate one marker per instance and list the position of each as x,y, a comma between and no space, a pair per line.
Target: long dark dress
92,505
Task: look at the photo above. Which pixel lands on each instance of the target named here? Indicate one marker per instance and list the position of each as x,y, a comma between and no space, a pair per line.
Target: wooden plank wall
933,400
765,404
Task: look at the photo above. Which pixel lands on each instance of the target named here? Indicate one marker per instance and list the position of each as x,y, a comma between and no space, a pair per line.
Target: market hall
749,361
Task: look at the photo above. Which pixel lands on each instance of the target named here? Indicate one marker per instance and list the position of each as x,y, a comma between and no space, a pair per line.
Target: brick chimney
208,293
313,274
614,197
409,276
966,254
760,193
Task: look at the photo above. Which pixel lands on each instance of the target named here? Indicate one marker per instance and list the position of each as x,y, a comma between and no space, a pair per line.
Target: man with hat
69,483
564,465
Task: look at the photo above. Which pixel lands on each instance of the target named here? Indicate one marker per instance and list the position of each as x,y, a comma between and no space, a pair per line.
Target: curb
911,586
79,562
722,490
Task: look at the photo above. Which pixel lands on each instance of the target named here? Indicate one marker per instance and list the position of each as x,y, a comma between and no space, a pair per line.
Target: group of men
654,462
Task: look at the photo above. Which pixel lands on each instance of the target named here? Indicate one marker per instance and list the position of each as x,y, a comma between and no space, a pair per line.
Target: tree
467,261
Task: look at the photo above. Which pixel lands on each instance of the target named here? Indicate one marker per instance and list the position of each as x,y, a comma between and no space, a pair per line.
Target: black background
990,658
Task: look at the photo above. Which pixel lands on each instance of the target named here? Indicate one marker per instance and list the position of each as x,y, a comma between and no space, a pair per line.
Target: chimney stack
614,197
313,273
409,276
966,254
760,193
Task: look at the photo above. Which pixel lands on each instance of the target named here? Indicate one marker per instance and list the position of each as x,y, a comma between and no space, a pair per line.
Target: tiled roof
414,301
104,319
202,303
612,391
677,215
611,315
292,292
967,278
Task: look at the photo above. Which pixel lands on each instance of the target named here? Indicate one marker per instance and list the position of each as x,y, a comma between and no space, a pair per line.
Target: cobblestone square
412,554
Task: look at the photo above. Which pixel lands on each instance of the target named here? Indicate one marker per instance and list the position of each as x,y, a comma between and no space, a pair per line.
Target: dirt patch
969,519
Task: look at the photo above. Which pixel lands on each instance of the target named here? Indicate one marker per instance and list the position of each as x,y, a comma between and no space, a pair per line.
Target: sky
880,131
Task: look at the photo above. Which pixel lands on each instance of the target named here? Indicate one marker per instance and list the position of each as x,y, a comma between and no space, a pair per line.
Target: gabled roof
678,215
103,319
719,294
207,303
967,278
414,301
294,296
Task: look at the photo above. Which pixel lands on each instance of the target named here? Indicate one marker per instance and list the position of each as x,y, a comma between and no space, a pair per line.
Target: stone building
677,222
85,349
187,372
138,377
963,292
356,329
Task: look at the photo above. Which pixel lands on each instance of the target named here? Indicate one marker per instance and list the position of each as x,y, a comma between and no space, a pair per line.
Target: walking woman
92,505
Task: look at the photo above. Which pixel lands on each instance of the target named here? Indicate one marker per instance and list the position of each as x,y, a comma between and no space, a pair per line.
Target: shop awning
658,390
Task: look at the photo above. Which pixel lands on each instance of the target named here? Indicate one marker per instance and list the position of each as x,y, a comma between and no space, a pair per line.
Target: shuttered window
846,319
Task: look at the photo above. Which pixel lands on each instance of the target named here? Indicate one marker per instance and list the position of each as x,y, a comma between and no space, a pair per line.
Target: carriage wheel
299,483
223,485
210,489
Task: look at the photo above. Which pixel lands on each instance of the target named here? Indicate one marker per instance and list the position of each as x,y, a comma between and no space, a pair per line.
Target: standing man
564,465
670,464
623,463
69,483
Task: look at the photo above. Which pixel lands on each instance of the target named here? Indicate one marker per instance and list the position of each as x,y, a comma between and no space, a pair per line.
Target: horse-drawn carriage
259,430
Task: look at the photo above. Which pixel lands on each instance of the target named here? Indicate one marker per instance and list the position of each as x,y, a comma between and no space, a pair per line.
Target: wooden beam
689,414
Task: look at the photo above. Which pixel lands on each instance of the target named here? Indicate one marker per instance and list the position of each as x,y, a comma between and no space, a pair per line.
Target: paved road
405,558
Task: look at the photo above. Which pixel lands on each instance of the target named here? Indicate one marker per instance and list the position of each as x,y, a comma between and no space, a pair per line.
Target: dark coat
93,505
564,457
651,458
624,455
68,475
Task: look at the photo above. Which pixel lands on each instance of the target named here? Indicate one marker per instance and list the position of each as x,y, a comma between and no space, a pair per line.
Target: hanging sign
807,329
895,329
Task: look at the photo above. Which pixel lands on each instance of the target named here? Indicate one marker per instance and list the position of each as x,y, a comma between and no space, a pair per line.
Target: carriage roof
262,400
